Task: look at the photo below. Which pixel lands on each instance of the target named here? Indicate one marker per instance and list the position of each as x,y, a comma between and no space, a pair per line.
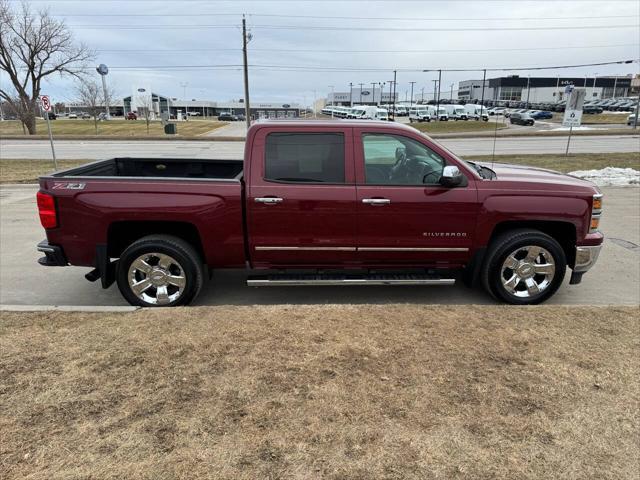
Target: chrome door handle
268,200
376,201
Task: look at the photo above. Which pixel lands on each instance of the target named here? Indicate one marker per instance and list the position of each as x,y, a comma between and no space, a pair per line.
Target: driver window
398,160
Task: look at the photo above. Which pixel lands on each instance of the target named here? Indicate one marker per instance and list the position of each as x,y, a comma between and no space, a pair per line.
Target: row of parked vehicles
427,113
593,106
362,112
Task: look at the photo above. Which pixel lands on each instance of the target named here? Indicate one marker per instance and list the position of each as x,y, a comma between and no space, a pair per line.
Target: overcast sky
121,34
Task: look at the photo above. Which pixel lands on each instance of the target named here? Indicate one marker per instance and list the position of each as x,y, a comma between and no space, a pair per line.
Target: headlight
596,213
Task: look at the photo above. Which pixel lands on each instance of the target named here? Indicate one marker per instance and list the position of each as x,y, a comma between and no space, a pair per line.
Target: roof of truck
314,123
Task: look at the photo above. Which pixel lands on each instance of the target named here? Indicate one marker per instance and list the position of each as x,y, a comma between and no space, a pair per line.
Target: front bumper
54,255
586,257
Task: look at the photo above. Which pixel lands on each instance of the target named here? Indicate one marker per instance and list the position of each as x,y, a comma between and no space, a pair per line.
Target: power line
329,17
334,28
459,50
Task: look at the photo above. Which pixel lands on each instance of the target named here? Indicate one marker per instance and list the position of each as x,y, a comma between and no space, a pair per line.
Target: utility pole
245,41
332,98
438,100
394,93
411,103
390,95
484,80
529,88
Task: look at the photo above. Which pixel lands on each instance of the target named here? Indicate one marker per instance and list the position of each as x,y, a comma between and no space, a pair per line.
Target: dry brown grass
28,171
337,392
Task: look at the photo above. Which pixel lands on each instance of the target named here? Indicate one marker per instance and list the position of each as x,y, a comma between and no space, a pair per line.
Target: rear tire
524,267
160,271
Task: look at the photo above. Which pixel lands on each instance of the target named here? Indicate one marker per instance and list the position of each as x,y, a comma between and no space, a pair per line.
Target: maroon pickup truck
321,203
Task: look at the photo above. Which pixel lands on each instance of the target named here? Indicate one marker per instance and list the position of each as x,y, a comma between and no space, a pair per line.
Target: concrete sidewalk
614,279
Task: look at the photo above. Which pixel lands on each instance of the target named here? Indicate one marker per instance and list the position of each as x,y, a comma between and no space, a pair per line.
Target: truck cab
321,203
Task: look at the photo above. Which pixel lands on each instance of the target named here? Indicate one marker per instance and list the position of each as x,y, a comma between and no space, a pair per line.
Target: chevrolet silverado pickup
321,203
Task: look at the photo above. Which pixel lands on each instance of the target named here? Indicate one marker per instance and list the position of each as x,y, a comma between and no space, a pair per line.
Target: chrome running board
333,280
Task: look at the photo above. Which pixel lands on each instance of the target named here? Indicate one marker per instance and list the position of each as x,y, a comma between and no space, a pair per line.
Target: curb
66,308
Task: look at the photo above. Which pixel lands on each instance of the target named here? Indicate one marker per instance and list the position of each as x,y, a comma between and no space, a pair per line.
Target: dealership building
362,96
144,98
543,89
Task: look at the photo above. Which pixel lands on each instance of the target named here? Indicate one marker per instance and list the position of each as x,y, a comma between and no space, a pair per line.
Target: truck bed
159,168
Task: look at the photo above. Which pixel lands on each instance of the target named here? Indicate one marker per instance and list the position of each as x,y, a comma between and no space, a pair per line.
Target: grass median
452,126
597,118
326,391
28,171
114,128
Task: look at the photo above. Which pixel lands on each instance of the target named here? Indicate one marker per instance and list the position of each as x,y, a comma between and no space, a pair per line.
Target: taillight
47,210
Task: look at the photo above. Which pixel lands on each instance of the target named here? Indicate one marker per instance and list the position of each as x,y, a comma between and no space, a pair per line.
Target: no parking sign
46,103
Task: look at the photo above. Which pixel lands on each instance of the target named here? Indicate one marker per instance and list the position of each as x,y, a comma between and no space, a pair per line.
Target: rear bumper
53,255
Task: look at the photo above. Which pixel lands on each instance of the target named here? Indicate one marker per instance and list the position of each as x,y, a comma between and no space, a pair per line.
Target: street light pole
529,89
422,95
245,41
438,100
373,86
361,85
350,94
451,94
595,76
411,102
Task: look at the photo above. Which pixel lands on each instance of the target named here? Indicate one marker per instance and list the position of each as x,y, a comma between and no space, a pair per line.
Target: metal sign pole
566,153
53,151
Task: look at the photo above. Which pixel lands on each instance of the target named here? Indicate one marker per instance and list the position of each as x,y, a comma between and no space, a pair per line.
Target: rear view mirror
451,176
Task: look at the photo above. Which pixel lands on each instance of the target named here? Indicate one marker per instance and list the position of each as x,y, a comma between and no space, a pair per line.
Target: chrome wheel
156,278
528,271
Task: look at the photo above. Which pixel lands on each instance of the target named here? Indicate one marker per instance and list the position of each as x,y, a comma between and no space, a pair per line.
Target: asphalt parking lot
614,280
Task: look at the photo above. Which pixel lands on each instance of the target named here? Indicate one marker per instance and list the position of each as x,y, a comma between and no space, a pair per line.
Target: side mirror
451,176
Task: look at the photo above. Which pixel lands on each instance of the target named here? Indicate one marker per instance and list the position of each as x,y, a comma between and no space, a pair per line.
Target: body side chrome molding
365,249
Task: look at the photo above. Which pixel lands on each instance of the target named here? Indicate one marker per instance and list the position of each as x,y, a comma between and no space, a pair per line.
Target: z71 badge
68,186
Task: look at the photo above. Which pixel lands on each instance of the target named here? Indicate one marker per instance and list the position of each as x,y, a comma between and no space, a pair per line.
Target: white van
363,112
382,114
477,111
457,112
419,113
441,115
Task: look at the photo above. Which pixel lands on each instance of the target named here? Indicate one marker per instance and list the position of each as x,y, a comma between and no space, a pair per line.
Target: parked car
85,115
497,111
227,117
72,115
541,115
325,197
131,116
631,119
51,115
591,109
521,119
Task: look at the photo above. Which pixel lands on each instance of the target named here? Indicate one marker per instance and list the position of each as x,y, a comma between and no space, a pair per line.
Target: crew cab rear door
405,217
301,197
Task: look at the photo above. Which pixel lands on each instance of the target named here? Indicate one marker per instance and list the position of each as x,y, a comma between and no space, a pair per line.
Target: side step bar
333,280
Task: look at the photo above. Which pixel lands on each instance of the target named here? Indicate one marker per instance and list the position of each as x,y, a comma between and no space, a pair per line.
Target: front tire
524,267
159,271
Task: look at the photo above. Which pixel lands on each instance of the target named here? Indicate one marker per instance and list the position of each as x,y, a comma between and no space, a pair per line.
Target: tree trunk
95,123
29,121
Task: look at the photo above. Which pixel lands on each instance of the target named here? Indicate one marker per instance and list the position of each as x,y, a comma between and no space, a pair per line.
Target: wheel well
563,232
123,234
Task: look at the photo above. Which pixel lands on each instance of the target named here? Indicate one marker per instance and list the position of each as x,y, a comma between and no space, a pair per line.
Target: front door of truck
301,197
405,217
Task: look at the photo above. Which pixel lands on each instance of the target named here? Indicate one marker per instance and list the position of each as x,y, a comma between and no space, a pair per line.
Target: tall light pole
332,98
412,83
102,69
315,107
529,88
350,94
595,75
439,85
381,84
373,86
451,94
361,85
422,95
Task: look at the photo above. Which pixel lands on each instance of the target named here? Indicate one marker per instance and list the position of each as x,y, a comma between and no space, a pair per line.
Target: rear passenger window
305,157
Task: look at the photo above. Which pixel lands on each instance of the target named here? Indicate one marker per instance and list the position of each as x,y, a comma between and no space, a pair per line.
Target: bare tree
147,111
33,47
93,97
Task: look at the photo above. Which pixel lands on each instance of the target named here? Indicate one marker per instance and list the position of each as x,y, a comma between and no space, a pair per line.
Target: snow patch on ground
566,129
610,176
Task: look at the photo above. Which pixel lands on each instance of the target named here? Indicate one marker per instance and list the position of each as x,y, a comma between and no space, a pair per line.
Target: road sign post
46,107
573,112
